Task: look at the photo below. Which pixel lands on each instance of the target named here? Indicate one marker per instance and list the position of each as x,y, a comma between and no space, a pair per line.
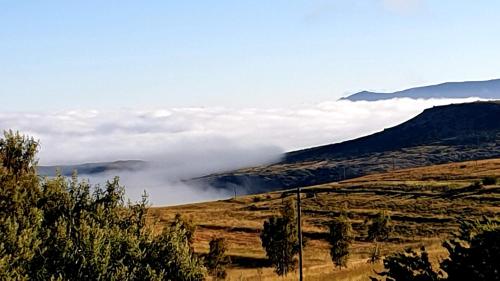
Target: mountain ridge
487,89
92,168
442,134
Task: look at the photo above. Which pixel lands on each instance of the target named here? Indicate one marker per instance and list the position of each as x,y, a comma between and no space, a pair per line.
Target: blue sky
114,54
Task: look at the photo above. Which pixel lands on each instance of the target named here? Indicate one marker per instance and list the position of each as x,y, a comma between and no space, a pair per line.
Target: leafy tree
474,253
60,229
187,225
280,239
380,227
408,266
340,237
217,260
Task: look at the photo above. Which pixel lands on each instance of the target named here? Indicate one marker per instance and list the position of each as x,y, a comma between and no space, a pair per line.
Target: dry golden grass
424,203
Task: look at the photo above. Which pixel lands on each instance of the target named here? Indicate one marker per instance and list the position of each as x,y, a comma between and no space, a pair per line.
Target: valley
425,205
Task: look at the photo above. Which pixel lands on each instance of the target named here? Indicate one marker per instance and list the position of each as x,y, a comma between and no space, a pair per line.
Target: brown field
425,205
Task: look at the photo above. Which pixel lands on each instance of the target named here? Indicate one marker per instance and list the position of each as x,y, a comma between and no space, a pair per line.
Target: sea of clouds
190,142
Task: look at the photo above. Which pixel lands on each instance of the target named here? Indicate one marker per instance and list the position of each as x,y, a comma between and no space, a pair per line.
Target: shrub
489,180
186,225
409,266
474,253
217,260
375,254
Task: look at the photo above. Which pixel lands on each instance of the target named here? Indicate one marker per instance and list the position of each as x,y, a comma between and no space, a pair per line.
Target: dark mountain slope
489,89
439,135
446,125
92,168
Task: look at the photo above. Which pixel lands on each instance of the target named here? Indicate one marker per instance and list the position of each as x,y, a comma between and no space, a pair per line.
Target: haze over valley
178,144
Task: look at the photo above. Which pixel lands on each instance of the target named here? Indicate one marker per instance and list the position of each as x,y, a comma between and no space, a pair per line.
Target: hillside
92,168
425,205
483,89
442,134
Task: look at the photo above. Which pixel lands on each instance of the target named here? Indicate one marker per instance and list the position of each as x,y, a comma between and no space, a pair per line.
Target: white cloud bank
189,142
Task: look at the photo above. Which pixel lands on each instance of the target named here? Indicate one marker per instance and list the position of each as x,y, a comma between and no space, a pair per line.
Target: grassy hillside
424,203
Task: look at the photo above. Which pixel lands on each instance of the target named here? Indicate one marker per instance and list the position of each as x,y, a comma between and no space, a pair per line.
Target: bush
409,266
186,225
375,254
217,260
473,255
59,229
489,180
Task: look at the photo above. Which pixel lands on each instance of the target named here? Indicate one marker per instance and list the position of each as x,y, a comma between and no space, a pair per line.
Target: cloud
190,142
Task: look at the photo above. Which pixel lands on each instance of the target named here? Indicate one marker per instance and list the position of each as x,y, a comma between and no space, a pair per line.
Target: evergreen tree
340,237
280,239
380,227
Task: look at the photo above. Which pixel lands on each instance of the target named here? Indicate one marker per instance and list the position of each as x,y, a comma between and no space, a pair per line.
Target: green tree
340,237
409,266
217,260
474,253
187,225
280,239
60,229
380,227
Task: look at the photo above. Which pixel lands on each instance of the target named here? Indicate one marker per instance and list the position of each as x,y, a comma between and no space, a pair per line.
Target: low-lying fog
188,142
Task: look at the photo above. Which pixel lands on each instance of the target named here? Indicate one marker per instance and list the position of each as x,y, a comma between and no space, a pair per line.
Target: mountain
443,134
482,89
92,168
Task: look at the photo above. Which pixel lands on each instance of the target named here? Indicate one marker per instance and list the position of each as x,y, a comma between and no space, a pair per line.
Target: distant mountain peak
488,89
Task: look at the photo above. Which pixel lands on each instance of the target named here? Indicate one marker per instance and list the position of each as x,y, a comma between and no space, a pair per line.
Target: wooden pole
300,233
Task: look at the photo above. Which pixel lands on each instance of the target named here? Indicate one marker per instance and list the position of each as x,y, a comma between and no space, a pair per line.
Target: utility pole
300,233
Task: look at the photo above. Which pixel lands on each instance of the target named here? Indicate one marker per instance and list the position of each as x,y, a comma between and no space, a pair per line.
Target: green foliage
217,260
474,253
489,180
409,266
280,239
59,229
340,237
187,225
380,227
